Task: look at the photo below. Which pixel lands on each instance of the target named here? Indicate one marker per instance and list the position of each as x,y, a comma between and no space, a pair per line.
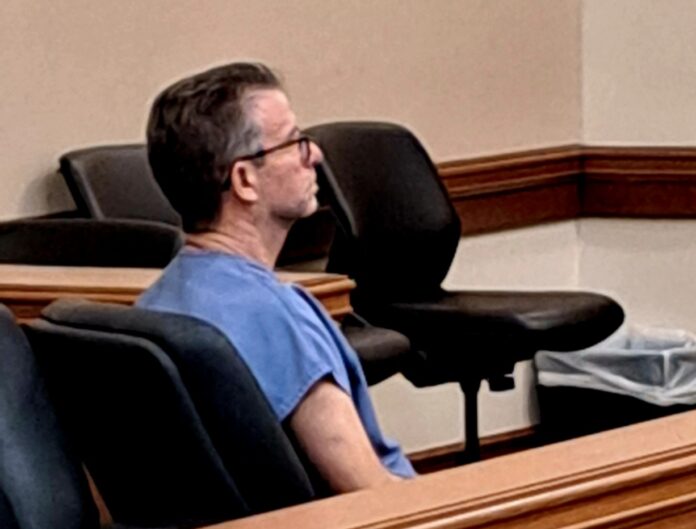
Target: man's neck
242,238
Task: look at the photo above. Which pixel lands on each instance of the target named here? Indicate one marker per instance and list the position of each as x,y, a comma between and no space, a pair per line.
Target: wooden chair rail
523,188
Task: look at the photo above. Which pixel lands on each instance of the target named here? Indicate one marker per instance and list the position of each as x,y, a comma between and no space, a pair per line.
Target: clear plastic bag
652,364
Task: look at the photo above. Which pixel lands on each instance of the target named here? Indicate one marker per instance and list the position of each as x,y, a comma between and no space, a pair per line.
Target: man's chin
311,208
300,211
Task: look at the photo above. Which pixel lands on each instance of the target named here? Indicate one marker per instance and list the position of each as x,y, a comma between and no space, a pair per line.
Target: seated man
225,148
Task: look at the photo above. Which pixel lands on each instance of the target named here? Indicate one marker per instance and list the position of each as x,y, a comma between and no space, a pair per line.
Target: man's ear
244,182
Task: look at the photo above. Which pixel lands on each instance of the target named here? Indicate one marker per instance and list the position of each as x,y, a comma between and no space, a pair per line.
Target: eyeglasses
302,142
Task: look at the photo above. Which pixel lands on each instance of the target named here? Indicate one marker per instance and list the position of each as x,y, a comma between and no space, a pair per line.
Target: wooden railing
27,289
639,476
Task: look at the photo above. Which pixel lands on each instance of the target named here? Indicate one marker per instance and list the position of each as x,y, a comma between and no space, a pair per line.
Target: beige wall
646,264
639,72
470,76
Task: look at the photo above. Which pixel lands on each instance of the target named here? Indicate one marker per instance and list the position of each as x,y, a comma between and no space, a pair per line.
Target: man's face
287,183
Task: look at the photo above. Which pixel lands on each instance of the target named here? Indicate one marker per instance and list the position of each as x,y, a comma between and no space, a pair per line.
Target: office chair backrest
399,228
89,242
171,424
41,482
309,239
115,181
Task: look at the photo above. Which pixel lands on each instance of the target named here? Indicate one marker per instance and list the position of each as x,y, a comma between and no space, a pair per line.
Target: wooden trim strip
559,183
505,172
639,182
517,189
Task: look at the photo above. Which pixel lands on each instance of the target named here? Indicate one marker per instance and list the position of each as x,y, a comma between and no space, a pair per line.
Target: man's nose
317,155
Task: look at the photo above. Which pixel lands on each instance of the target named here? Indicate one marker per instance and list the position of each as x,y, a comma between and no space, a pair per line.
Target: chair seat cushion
382,352
485,332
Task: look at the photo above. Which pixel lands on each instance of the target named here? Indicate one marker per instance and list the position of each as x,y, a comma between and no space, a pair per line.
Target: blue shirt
283,334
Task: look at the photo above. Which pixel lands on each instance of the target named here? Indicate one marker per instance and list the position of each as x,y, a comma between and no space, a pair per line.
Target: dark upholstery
399,232
398,224
383,352
169,421
115,181
88,242
498,328
7,517
42,485
309,239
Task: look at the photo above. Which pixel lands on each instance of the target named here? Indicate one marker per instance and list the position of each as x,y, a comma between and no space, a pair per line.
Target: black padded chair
88,242
42,484
383,352
115,181
399,231
169,421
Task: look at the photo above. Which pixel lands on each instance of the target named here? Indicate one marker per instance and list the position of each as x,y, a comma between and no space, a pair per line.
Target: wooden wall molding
639,182
559,183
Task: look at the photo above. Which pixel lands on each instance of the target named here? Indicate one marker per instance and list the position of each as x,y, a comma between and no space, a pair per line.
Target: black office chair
41,482
399,231
88,242
115,181
169,421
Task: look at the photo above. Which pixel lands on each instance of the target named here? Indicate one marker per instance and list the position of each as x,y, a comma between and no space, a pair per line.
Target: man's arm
330,432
